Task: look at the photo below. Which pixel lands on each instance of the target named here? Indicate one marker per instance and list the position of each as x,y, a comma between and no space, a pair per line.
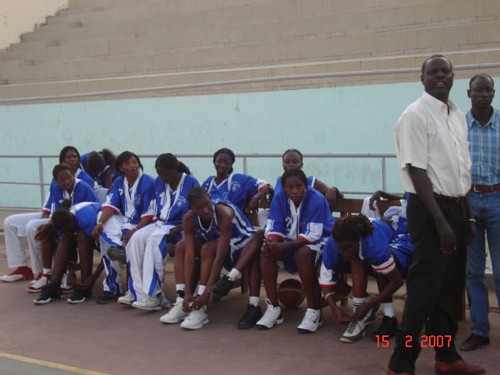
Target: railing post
245,169
41,179
384,174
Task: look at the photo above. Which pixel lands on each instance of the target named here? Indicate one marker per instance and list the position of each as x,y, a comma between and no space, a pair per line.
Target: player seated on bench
147,251
385,246
297,229
75,231
221,234
242,190
126,210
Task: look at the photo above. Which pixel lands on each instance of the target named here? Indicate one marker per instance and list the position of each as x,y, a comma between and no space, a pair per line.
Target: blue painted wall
358,119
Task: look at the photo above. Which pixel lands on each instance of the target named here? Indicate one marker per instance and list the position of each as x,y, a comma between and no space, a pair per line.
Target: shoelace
351,327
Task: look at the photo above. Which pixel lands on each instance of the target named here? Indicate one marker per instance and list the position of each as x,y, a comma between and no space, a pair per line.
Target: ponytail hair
170,161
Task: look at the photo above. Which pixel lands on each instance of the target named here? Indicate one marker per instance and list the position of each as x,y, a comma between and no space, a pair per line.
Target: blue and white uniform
100,181
241,231
332,264
237,189
130,204
385,249
312,221
147,249
81,192
86,216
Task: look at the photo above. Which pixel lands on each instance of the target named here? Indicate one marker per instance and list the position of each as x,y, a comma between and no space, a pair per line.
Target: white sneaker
311,322
196,319
149,303
176,313
126,299
37,285
272,317
355,331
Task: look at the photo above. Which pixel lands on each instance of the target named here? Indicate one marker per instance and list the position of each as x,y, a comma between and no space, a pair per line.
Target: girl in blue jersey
242,190
220,233
127,209
147,250
386,247
334,288
293,159
297,229
26,225
74,226
101,166
64,186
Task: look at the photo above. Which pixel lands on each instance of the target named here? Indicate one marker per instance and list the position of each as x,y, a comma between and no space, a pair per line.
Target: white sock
234,274
254,301
357,301
47,271
201,289
388,309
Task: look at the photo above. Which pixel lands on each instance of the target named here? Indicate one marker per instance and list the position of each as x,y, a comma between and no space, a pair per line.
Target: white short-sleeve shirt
433,138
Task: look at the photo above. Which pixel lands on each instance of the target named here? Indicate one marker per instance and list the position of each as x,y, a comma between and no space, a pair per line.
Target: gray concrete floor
93,339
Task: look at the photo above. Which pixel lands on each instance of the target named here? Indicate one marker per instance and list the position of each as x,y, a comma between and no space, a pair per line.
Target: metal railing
382,157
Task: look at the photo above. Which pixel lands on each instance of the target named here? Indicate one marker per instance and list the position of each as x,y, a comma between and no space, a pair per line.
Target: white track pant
112,233
146,259
16,227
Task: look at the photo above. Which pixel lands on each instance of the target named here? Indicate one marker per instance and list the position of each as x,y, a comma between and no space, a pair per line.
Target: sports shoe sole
43,302
75,302
303,330
11,278
263,327
198,326
165,320
147,308
350,340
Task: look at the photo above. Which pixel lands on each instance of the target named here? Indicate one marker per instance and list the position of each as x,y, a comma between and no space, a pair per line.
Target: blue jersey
85,177
101,178
384,245
132,202
172,205
241,229
311,180
330,265
86,216
82,192
237,189
312,220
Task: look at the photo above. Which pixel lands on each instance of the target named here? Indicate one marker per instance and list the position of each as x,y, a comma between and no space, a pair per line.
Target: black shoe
106,297
222,287
251,316
117,253
387,328
473,342
80,295
50,292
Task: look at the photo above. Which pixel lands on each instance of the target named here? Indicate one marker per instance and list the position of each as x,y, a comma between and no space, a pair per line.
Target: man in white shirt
434,162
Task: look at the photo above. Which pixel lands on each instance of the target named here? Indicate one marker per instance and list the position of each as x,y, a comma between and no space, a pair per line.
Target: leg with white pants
111,236
34,245
134,250
155,258
14,230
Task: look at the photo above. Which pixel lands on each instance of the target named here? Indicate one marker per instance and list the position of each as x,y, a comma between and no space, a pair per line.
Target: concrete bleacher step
291,49
188,83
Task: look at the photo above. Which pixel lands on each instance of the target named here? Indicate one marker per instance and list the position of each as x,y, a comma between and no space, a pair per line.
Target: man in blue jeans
483,123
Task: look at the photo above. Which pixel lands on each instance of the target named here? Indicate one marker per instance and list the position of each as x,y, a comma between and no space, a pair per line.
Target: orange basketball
291,293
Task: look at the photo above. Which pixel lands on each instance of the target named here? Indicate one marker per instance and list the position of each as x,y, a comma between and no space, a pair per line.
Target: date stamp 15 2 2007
424,341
